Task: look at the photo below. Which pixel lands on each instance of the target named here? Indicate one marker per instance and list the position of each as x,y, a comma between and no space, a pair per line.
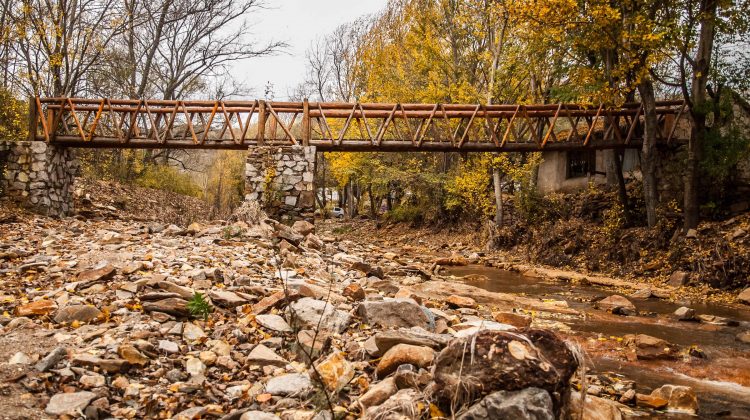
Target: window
581,163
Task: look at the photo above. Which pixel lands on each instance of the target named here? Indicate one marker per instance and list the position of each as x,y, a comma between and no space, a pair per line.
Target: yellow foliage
225,184
168,178
13,117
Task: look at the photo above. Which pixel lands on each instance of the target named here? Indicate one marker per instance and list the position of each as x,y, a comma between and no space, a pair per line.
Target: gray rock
289,234
262,355
71,404
183,292
51,359
191,413
395,313
644,293
416,336
293,384
226,298
678,278
309,313
80,313
685,314
400,405
192,332
168,346
258,415
617,305
273,322
303,227
526,404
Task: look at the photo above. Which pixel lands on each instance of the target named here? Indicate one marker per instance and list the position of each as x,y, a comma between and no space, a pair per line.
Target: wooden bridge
335,126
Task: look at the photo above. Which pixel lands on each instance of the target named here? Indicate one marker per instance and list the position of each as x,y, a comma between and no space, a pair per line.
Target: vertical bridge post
261,121
305,122
33,117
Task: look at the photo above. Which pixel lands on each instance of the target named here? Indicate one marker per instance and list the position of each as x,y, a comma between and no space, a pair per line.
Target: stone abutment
38,176
281,180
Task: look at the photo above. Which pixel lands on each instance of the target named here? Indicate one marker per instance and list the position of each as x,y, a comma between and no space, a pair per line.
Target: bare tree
60,41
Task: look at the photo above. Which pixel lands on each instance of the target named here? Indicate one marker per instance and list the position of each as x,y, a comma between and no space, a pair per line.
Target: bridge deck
334,126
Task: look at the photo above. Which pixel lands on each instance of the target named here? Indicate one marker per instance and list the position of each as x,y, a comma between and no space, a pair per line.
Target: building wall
553,171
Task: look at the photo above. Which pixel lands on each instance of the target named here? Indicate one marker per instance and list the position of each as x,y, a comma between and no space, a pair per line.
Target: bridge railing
133,123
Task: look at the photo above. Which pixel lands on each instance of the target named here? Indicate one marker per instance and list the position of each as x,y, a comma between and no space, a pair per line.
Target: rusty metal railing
133,123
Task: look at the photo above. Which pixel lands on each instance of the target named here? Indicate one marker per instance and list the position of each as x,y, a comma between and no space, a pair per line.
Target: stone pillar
281,180
38,176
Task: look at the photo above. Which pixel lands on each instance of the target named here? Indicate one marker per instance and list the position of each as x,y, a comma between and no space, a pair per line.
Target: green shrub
199,306
407,213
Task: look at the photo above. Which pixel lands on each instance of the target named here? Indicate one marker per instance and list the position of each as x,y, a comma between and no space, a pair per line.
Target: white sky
298,23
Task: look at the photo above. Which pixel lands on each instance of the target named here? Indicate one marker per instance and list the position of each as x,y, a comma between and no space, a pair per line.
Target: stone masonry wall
38,176
281,179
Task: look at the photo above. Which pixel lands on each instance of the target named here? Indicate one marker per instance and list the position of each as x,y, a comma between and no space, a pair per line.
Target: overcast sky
298,23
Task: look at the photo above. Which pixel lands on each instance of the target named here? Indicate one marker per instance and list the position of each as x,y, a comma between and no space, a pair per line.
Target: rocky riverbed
101,319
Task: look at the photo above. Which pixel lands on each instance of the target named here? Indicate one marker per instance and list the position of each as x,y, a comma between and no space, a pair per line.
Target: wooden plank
96,120
283,127
75,119
552,125
207,125
427,125
631,130
468,126
510,125
592,124
260,138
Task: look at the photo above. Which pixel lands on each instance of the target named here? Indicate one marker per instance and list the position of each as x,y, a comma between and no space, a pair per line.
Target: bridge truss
334,126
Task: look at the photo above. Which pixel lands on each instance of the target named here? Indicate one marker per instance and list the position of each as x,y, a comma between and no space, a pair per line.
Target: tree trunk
389,198
323,179
373,210
698,110
497,181
350,199
648,150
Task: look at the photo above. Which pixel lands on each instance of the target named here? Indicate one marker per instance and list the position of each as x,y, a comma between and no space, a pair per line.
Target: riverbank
427,244
706,328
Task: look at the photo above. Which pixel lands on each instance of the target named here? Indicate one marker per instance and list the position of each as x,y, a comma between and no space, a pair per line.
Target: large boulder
526,404
679,398
490,361
396,313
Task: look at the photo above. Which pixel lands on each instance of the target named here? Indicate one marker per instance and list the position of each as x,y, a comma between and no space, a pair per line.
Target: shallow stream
721,381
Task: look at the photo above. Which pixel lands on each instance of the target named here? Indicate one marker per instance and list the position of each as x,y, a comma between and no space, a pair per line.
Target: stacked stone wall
38,176
281,180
